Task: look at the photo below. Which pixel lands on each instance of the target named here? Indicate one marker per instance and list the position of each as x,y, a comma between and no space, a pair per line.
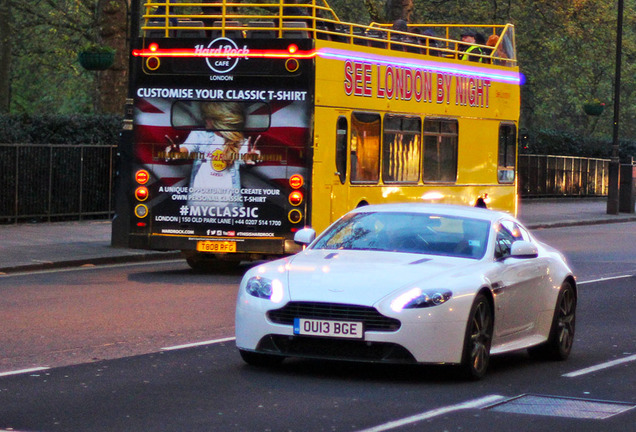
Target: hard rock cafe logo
217,162
222,54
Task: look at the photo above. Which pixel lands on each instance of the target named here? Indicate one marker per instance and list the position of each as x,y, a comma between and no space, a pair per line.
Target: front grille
372,319
334,349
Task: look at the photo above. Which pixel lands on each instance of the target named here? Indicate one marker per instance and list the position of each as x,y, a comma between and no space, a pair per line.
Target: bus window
341,148
507,153
440,151
365,147
401,149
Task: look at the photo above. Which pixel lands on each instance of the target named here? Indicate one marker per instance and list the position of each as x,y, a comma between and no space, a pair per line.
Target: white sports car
410,283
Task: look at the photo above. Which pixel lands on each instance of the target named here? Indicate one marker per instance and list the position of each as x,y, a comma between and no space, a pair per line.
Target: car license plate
328,328
216,246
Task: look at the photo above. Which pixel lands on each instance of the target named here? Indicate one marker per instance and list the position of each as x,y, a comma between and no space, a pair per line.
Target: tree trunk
399,9
112,83
5,56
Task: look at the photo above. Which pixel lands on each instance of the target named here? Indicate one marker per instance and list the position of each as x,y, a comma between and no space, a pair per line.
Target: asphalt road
102,331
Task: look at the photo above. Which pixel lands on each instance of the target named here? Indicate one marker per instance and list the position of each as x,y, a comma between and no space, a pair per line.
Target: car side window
508,232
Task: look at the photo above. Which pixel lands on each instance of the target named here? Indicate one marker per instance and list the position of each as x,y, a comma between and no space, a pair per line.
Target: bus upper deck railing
315,19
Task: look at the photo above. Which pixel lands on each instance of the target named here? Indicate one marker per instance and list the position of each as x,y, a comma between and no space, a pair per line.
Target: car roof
440,209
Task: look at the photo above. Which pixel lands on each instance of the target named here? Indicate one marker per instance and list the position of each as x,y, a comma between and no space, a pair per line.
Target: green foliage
96,48
570,143
59,129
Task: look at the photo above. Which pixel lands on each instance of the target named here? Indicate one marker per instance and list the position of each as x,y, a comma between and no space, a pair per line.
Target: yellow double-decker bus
248,121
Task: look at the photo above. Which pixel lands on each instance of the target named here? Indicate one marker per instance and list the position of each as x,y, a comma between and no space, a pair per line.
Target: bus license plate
328,328
216,246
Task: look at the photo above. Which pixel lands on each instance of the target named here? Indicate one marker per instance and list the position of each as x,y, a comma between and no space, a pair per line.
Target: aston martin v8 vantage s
410,283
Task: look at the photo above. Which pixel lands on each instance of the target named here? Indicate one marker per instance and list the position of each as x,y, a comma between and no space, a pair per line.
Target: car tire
260,359
561,337
477,340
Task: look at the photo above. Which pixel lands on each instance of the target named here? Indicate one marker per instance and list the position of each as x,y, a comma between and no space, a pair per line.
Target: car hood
364,277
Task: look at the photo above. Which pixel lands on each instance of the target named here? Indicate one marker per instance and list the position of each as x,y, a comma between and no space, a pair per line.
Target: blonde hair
227,119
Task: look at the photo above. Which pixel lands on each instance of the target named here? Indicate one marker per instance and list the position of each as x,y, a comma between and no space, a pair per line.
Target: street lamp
615,165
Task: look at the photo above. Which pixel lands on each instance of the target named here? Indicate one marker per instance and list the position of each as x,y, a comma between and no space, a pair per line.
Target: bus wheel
205,263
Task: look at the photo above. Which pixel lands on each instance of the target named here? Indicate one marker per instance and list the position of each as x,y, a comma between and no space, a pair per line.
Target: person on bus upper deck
161,10
500,53
471,50
401,26
428,43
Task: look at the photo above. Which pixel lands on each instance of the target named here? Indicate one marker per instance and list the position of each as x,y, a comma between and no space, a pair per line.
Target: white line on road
475,403
23,371
599,367
195,344
604,279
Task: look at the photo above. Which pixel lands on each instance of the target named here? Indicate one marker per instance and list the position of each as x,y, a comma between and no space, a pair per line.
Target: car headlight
417,298
264,288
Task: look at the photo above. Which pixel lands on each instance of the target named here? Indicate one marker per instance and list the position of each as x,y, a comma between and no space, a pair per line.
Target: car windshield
408,232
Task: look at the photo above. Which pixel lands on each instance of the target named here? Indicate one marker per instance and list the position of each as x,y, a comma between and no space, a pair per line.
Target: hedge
566,143
60,129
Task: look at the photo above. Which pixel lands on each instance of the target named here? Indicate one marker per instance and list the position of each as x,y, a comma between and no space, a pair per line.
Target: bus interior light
296,198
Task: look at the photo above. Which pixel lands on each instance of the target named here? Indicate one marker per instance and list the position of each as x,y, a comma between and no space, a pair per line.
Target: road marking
605,279
196,344
475,403
599,367
23,371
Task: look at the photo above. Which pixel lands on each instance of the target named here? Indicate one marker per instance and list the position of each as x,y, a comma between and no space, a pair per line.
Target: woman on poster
216,153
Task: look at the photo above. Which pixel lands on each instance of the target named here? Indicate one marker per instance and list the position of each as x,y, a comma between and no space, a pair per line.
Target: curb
86,262
569,223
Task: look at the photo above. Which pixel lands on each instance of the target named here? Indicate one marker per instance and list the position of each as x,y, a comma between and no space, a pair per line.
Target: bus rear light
141,193
292,65
293,48
296,198
142,177
295,216
141,211
141,224
296,181
153,46
153,63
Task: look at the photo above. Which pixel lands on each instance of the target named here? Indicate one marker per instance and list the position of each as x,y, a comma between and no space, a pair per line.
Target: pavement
41,246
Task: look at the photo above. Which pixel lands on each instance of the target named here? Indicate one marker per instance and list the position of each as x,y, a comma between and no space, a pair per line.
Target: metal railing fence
544,175
48,182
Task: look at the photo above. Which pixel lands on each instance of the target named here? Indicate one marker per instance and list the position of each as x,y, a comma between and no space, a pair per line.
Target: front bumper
431,335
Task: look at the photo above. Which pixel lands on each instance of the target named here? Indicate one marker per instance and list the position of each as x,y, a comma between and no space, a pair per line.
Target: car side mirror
305,236
523,249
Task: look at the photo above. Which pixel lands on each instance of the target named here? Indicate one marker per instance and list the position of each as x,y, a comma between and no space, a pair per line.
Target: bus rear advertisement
221,169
